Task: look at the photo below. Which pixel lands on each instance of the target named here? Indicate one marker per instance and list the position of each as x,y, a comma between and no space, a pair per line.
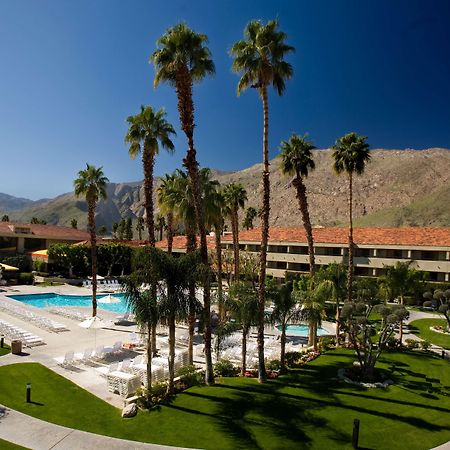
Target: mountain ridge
398,188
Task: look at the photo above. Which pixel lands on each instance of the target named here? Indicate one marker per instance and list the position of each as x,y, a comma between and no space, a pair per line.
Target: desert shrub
190,376
411,344
275,364
293,358
225,368
326,343
26,278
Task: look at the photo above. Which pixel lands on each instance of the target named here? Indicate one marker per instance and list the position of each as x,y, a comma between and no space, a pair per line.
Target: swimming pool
301,330
49,300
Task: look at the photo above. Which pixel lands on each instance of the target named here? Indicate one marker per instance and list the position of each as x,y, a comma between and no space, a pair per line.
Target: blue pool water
44,300
301,330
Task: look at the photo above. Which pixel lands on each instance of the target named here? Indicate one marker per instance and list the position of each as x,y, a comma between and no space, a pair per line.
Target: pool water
49,300
301,330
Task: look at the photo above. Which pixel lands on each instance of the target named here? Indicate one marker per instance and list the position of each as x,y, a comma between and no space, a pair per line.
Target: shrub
293,358
190,376
26,278
225,368
275,364
39,265
411,344
392,343
427,304
326,343
426,345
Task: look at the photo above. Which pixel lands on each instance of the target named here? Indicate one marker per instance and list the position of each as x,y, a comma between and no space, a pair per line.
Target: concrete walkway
39,435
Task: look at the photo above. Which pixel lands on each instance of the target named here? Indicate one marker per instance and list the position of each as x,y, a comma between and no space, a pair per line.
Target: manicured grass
421,327
5,445
5,350
308,408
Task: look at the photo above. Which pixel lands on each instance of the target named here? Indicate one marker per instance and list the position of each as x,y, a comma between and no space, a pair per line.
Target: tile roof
43,231
407,236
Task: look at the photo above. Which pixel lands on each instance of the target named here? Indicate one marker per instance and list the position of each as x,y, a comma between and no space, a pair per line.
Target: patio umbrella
109,299
93,323
6,267
99,277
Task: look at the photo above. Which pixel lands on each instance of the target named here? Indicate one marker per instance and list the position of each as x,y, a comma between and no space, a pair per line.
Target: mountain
11,203
399,187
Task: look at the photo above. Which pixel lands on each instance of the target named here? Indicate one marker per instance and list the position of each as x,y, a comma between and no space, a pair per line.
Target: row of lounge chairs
89,355
68,313
32,317
111,285
13,332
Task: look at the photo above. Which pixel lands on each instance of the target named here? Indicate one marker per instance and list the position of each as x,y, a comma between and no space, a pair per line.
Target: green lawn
5,350
5,445
421,327
309,408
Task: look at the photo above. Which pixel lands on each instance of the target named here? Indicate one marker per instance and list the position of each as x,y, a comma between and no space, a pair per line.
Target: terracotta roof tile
44,231
407,236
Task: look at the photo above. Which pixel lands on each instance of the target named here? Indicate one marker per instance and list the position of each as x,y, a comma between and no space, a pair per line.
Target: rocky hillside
399,187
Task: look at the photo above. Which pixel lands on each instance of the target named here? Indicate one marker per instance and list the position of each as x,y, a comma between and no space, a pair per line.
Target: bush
26,278
411,344
275,364
225,368
427,304
159,395
426,345
393,343
293,358
326,343
190,376
39,265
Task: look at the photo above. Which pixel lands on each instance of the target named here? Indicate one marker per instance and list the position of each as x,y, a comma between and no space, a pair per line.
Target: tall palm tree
147,131
243,302
181,60
250,215
235,197
160,225
166,203
259,58
297,161
284,311
351,154
91,183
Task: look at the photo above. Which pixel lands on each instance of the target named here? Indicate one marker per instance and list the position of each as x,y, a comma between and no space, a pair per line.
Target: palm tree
297,161
259,58
243,302
351,154
284,311
91,183
160,225
235,197
145,309
336,274
166,203
182,59
312,308
147,131
140,227
250,215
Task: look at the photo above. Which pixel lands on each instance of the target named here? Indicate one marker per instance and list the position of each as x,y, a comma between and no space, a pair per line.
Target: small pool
49,300
301,330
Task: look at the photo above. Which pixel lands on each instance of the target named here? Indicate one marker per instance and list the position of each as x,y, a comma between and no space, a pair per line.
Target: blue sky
71,72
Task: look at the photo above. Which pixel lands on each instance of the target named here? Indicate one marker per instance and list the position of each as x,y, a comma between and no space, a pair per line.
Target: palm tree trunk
264,238
169,232
186,111
244,351
190,247
303,205
283,346
148,163
93,237
219,273
235,230
338,318
171,354
350,239
149,361
155,350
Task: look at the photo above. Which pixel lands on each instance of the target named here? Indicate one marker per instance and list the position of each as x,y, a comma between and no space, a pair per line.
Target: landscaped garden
421,327
309,407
